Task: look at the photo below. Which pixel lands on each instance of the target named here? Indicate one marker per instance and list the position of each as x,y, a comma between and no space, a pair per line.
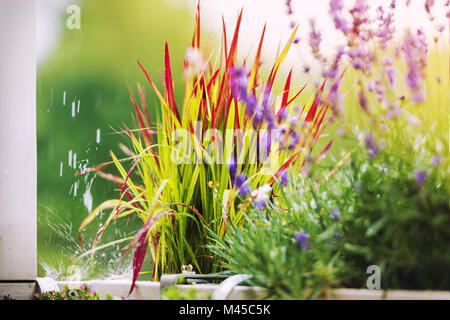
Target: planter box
151,290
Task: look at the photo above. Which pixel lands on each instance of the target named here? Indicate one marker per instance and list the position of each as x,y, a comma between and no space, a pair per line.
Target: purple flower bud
232,166
420,176
371,146
252,104
239,83
241,184
436,160
302,238
335,213
283,178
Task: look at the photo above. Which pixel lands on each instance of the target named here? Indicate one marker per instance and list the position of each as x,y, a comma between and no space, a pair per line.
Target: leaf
169,84
141,241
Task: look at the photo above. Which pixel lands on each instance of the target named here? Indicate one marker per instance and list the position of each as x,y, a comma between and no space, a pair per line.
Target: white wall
17,140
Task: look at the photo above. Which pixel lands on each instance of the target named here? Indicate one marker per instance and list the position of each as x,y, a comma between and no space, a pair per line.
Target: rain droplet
70,158
98,135
64,99
60,169
74,162
73,109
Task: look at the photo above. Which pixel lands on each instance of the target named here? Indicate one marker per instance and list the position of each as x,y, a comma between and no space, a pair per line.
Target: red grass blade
169,85
139,253
233,48
312,111
287,87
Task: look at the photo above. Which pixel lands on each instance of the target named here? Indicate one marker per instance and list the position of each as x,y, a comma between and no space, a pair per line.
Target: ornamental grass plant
206,159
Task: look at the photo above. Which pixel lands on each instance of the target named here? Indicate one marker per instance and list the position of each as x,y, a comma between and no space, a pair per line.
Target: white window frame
18,164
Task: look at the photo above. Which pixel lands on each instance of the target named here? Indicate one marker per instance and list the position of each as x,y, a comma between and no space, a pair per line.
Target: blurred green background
95,66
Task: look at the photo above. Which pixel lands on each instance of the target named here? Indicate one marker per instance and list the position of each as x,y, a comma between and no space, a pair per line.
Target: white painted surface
18,291
150,290
17,140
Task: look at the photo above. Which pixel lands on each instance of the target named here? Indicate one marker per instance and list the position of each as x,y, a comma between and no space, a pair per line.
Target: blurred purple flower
239,82
386,29
420,176
363,101
261,197
359,14
371,146
335,213
302,238
232,166
436,160
340,23
252,104
333,71
415,50
283,178
240,183
315,38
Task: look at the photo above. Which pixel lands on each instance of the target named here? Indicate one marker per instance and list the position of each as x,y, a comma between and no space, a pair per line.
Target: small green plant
7,297
290,248
82,293
175,293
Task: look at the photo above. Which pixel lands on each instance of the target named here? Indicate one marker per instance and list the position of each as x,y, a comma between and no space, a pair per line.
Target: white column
18,248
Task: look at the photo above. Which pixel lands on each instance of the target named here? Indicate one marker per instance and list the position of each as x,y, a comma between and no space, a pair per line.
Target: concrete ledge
19,290
151,290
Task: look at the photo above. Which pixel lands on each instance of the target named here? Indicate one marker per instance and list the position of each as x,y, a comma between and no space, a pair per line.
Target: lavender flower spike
420,176
302,238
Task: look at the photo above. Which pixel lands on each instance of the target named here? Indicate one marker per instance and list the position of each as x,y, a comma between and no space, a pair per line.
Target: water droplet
60,169
74,162
64,99
73,109
70,158
98,135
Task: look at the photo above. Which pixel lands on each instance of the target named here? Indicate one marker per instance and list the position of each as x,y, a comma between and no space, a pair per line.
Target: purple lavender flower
302,238
420,176
371,146
240,183
252,104
335,98
415,50
436,160
386,29
283,178
335,213
260,196
232,166
340,23
239,82
315,38
359,14
332,72
363,101
295,139
361,58
289,7
428,5
390,74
